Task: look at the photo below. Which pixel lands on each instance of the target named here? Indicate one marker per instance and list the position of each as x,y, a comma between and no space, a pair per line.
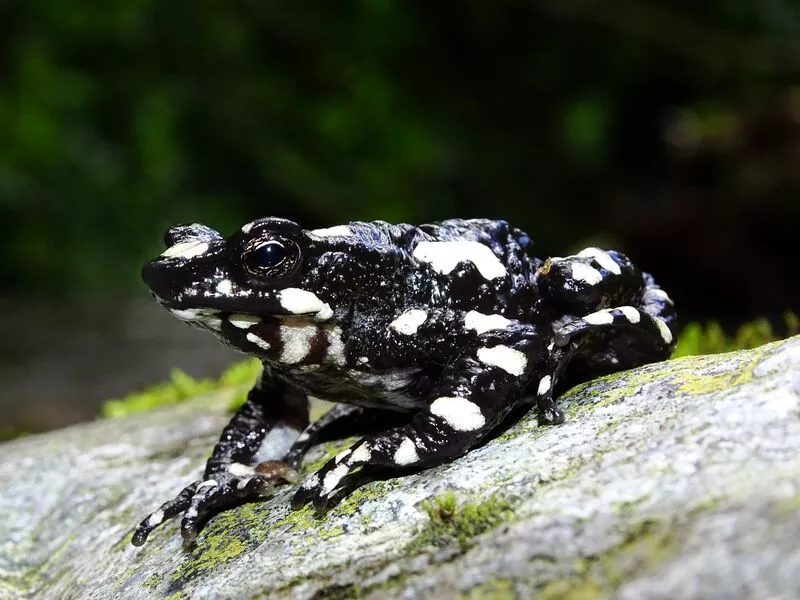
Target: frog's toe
333,481
166,511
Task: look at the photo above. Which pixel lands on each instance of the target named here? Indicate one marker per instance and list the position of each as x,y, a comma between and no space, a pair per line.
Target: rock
674,480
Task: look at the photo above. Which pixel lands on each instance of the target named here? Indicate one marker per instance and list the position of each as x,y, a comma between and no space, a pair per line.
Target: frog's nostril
194,232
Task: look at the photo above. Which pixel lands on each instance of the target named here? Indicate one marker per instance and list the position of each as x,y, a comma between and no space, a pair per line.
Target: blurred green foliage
711,338
120,118
181,387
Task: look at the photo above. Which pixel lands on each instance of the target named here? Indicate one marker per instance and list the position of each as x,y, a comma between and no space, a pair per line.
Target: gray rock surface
675,480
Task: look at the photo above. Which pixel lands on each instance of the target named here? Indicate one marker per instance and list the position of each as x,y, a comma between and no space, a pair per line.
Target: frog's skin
432,333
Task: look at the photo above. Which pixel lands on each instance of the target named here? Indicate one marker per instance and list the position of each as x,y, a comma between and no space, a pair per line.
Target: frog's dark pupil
269,255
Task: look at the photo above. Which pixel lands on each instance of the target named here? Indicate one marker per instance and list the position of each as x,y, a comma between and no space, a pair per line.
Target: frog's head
270,267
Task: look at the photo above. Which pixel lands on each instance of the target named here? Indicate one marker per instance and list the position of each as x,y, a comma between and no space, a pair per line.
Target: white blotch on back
247,227
338,230
303,302
603,259
482,323
186,250
585,273
243,321
601,317
444,256
409,321
225,287
459,413
630,313
406,453
544,385
510,360
666,334
260,342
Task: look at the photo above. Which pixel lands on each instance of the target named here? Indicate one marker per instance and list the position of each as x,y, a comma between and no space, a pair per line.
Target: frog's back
465,264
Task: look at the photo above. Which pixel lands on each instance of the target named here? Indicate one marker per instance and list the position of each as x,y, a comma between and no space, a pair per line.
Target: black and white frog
427,336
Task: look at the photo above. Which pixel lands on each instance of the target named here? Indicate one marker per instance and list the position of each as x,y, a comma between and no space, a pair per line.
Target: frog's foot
202,499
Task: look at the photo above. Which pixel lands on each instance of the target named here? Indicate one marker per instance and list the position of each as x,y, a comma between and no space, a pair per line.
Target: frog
427,338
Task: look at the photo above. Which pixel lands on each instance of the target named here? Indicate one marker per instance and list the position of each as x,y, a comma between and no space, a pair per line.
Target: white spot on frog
243,321
225,287
192,314
482,323
239,470
510,360
303,302
601,317
208,483
603,259
544,385
311,482
214,323
296,339
155,519
409,321
361,454
630,313
247,227
338,230
459,413
585,273
333,478
260,342
406,453
189,249
666,334
444,256
335,351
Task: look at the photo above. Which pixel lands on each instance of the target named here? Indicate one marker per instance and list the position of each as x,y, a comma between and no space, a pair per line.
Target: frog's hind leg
654,328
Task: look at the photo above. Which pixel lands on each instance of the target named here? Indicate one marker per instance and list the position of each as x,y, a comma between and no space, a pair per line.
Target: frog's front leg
470,398
230,476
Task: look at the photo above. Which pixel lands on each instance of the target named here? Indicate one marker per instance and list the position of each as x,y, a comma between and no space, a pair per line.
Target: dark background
669,130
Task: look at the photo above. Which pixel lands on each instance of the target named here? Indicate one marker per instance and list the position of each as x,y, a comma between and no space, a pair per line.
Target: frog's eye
270,259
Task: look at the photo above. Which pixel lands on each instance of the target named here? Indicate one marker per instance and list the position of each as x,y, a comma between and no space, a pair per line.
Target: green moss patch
453,523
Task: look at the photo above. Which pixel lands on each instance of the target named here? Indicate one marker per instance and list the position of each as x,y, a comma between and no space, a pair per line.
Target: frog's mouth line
287,301
213,319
